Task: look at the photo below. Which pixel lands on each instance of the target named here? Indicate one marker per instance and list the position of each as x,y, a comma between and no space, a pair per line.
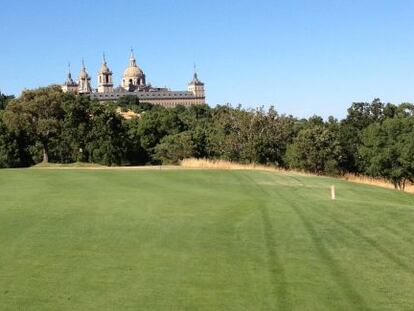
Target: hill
201,240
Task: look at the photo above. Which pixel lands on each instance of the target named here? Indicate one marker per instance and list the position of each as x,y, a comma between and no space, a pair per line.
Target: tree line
45,124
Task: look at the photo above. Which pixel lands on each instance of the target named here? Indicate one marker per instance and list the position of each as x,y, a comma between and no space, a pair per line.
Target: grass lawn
80,239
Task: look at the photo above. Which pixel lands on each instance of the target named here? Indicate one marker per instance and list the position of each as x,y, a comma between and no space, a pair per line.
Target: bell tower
70,85
84,83
105,84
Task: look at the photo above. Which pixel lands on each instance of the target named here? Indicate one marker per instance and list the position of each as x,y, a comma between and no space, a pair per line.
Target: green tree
106,140
133,103
4,99
316,149
250,136
174,148
38,113
135,153
69,145
227,137
160,122
360,116
388,150
9,147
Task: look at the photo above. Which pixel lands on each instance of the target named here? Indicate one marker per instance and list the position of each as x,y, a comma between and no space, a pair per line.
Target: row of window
145,95
169,104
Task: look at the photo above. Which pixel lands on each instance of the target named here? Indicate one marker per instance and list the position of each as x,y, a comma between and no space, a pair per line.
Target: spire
104,67
84,85
69,73
195,73
83,74
132,61
195,80
69,81
83,68
105,84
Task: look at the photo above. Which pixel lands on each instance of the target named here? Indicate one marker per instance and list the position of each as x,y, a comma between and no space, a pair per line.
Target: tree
135,153
388,150
227,136
250,136
174,148
9,147
360,116
4,99
76,126
316,149
133,103
106,140
37,113
160,122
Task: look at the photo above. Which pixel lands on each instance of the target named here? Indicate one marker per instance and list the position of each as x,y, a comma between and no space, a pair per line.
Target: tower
105,84
84,82
70,85
133,76
196,86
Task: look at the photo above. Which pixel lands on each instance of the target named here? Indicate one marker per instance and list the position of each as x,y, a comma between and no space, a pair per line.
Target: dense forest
374,139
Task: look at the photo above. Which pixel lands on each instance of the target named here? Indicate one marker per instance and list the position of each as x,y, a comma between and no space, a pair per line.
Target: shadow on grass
373,243
280,285
337,274
340,278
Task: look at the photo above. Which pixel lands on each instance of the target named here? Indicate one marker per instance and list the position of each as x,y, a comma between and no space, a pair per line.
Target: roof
195,80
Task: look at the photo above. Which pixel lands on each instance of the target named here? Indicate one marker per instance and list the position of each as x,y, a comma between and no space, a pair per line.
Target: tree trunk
45,154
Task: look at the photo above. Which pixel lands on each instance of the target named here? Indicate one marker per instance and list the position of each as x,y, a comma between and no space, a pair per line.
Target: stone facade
134,83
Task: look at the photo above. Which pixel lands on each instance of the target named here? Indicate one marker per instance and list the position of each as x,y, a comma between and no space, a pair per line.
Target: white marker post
333,196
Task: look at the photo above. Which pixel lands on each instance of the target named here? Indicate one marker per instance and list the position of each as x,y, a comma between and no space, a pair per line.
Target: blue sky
303,57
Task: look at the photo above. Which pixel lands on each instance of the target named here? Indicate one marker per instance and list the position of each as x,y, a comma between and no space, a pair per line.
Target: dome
104,66
133,75
133,72
83,74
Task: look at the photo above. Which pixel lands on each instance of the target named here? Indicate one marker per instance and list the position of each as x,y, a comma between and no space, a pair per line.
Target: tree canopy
45,124
388,150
